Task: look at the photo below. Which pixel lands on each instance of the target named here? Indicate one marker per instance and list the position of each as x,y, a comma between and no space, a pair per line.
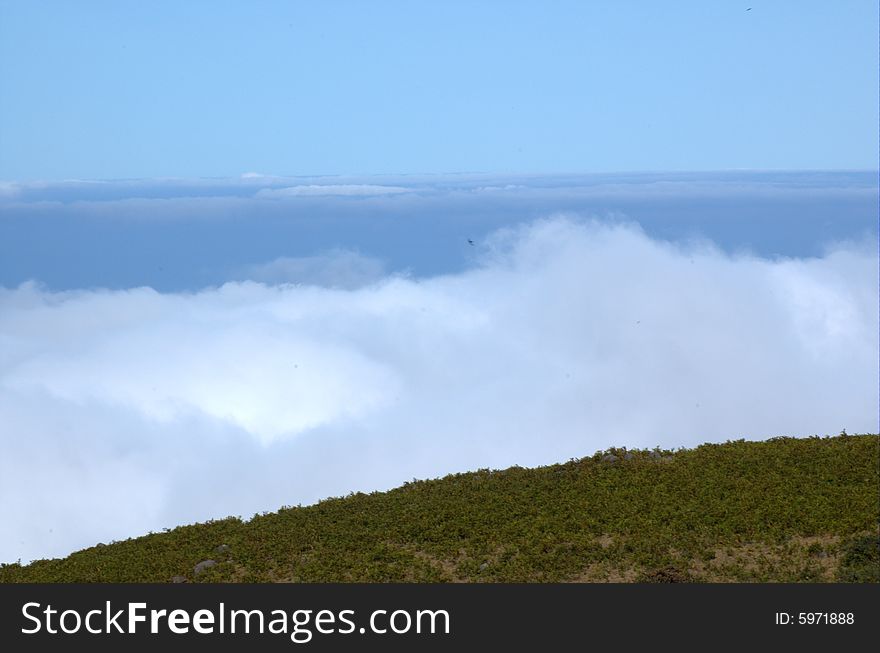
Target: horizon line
245,176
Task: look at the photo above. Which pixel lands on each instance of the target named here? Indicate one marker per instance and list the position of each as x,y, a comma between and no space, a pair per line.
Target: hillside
782,510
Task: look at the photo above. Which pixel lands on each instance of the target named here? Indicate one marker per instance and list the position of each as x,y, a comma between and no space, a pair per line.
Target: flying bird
470,242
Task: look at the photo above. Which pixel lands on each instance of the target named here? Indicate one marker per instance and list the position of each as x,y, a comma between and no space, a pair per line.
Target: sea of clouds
126,411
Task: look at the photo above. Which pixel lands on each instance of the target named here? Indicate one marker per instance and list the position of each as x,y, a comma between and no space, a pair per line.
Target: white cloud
9,189
334,269
499,189
331,189
131,411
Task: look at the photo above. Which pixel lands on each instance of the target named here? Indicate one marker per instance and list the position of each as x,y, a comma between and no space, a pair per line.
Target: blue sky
190,89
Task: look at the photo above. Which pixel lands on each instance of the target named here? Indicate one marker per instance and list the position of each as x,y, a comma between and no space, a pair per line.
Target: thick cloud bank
129,411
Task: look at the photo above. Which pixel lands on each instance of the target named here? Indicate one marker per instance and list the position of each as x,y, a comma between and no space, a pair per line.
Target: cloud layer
130,411
182,235
331,189
334,269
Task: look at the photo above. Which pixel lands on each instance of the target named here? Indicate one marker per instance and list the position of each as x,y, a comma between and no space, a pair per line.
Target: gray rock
204,564
484,566
628,456
179,579
654,454
609,458
223,548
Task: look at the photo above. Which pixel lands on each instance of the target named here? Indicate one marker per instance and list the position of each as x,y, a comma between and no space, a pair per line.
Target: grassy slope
781,510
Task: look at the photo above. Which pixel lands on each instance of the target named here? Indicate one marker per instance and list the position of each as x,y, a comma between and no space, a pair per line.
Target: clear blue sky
148,89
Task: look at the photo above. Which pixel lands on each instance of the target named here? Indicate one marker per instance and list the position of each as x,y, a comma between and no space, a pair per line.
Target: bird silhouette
470,242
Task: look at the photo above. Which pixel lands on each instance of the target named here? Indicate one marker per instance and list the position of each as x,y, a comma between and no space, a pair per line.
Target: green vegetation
861,561
783,510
